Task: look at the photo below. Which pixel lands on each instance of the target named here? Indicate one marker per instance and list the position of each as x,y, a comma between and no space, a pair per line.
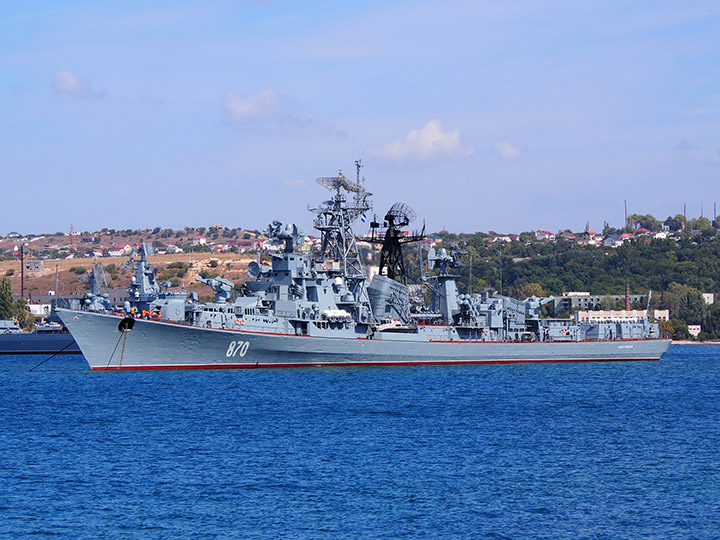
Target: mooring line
115,349
53,356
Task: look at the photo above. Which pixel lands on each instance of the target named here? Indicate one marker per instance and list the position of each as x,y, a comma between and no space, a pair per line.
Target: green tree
530,289
676,223
6,300
24,318
676,328
647,221
685,303
701,223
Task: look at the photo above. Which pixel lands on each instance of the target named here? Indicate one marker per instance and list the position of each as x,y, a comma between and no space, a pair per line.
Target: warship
49,337
320,309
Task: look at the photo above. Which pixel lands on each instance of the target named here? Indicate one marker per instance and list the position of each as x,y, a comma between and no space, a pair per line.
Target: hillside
181,268
677,266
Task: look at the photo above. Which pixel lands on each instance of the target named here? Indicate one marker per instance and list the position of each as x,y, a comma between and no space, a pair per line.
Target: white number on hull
237,348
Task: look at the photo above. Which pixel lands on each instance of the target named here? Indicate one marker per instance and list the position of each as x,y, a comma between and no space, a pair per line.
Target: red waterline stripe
357,364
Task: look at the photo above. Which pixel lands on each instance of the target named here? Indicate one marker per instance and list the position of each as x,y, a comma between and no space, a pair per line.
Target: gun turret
441,260
223,287
290,234
533,305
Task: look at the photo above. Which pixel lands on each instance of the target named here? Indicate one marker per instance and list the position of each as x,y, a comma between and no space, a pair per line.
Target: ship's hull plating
159,345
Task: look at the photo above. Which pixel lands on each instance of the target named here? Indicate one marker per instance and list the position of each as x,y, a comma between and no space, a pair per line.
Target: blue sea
557,451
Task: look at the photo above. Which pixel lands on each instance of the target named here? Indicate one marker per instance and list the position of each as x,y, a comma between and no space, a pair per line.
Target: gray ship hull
163,345
38,343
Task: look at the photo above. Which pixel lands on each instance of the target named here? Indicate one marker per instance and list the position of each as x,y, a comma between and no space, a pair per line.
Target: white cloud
294,183
67,82
265,111
506,151
428,143
241,110
711,106
307,124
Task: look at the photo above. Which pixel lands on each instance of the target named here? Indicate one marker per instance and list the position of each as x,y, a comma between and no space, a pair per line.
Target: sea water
561,451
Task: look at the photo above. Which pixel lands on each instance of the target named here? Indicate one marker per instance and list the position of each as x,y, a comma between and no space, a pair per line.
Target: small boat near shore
46,338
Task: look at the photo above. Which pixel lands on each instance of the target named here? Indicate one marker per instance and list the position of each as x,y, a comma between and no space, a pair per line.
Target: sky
505,116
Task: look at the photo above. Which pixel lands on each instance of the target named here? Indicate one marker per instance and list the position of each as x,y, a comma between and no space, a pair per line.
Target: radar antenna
333,183
399,216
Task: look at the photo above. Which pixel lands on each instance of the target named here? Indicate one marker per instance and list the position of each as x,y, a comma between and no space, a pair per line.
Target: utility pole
470,276
626,218
22,270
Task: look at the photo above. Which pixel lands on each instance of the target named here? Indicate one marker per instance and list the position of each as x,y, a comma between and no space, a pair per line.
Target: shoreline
688,342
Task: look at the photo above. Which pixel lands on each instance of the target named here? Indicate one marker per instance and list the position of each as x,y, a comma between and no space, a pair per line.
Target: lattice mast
335,218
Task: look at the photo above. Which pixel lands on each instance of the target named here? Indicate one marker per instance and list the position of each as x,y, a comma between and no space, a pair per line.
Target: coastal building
662,314
612,240
33,265
591,238
40,311
544,236
574,301
610,315
123,250
694,329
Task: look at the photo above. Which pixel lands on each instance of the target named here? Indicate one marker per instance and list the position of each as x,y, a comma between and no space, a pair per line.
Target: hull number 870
237,348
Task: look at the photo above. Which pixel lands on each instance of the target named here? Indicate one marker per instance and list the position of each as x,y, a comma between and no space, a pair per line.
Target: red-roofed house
120,251
546,236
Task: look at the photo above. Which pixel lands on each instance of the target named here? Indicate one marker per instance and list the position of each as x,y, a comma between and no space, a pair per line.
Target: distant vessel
50,338
316,310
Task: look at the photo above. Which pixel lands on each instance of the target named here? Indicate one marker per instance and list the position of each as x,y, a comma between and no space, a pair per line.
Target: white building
694,329
610,315
40,310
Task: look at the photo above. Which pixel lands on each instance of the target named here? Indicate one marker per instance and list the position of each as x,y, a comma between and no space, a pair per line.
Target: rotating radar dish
400,214
253,270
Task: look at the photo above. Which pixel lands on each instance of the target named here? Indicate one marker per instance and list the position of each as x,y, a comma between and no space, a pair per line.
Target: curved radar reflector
334,182
401,211
253,269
